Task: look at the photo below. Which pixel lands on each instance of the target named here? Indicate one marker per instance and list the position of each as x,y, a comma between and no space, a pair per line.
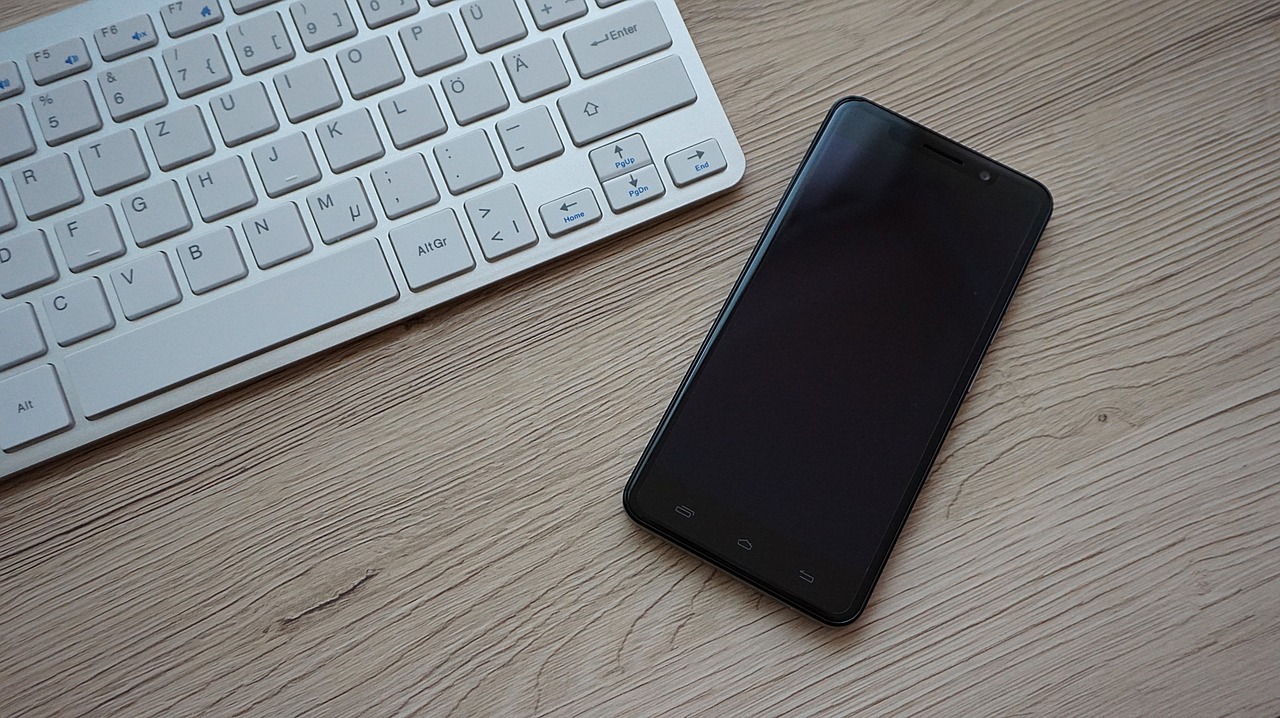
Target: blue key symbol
206,12
139,35
72,59
4,84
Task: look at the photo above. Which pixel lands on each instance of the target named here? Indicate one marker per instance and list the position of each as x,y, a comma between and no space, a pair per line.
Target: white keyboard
193,194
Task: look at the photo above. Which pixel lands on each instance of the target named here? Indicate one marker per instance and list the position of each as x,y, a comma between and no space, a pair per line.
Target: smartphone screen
798,441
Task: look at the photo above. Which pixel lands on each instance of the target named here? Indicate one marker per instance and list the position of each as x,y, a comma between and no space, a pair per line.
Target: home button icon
745,544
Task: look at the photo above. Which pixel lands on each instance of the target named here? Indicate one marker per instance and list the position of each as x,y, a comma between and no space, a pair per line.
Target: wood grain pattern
428,521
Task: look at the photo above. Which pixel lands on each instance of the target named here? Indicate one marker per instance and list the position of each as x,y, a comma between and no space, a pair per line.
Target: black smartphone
804,429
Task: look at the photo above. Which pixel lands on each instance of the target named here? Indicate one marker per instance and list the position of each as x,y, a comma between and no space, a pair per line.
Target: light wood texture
428,521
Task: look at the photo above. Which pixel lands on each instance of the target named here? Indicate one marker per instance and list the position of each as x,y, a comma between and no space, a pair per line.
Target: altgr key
432,250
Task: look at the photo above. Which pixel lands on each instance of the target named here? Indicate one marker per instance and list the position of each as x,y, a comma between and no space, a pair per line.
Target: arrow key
618,158
570,212
634,188
694,163
501,223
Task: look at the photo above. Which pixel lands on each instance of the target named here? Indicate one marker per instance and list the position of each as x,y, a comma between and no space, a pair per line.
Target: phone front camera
985,176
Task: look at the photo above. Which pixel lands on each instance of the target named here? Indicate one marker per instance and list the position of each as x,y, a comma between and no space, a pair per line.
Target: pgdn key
634,188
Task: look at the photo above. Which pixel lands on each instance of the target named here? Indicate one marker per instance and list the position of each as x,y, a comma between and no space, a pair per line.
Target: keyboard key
493,23
145,286
619,38
350,140
243,6
113,162
536,69
321,23
8,219
570,212
475,93
132,89
380,12
607,3
179,138
549,13
15,134
156,213
196,65
67,112
620,157
20,337
529,138
47,186
432,44
624,100
412,116
277,236
78,311
244,114
25,263
286,164
260,42
370,67
432,249
634,188
211,261
467,161
125,37
89,238
405,186
307,90
341,211
33,407
250,320
694,163
221,188
10,80
181,17
58,61
501,223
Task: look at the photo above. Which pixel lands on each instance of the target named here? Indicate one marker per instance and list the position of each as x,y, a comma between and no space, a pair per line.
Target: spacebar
235,326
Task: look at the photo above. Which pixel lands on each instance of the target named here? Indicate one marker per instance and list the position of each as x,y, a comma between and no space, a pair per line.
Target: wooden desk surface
429,520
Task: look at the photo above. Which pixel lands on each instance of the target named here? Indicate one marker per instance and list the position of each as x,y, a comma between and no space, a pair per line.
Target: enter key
617,38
